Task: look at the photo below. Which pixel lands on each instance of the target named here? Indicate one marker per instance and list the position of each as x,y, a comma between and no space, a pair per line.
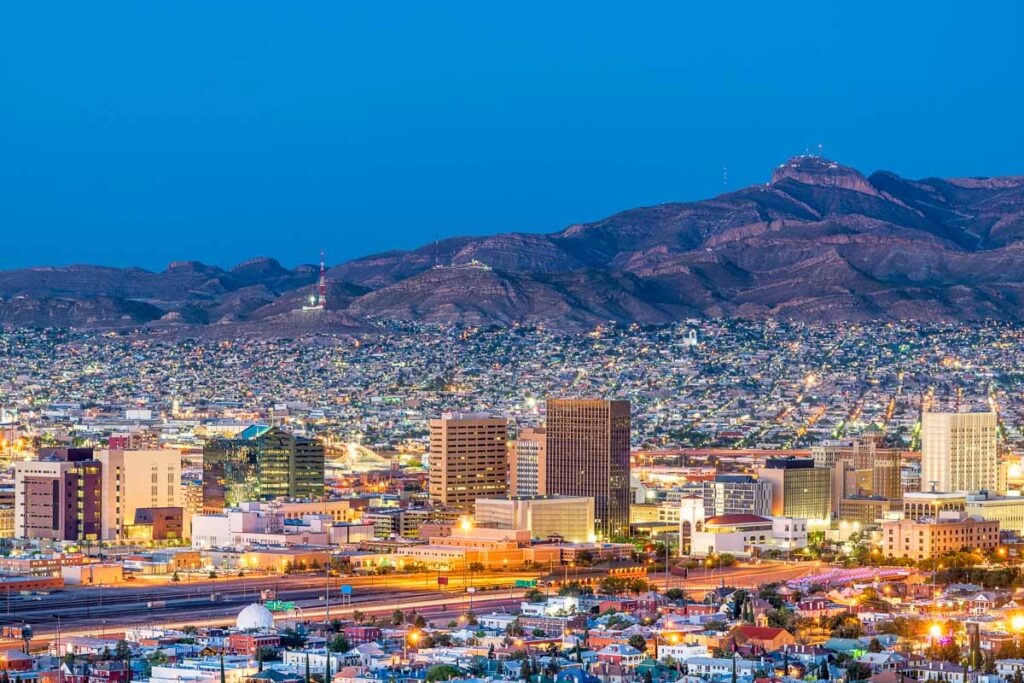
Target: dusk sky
142,133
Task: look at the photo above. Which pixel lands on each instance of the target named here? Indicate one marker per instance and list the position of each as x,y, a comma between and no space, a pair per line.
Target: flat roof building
468,459
568,517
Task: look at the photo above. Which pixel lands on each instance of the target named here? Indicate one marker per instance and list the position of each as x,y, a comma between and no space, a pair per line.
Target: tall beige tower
958,452
588,455
137,479
468,459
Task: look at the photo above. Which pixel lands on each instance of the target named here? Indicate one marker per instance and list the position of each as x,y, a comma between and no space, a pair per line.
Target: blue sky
141,133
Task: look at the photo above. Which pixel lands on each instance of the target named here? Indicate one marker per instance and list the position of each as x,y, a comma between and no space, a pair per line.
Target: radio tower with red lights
322,287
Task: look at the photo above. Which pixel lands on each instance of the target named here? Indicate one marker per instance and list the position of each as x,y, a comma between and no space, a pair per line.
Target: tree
855,671
419,622
638,642
339,644
122,651
441,672
175,578
397,617
476,567
358,617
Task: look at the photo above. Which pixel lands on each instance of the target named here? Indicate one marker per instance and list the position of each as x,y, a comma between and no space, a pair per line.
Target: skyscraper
799,489
137,479
737,494
468,459
58,498
958,452
527,463
261,463
588,455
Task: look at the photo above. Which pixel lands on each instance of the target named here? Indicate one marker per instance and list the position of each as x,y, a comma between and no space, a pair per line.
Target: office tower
864,468
799,489
261,463
958,452
58,498
737,494
468,459
588,455
527,463
134,480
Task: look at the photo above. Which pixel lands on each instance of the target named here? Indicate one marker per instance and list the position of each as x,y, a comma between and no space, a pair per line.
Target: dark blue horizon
140,134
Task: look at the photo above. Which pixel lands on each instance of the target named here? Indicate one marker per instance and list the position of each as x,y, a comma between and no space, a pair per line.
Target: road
110,609
702,580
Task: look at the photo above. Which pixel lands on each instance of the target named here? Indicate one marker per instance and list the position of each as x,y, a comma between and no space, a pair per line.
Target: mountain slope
819,241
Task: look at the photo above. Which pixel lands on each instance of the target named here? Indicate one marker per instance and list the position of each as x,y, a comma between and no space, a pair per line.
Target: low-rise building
933,536
570,518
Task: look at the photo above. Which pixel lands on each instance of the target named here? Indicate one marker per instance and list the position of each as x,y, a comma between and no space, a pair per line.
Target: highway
111,609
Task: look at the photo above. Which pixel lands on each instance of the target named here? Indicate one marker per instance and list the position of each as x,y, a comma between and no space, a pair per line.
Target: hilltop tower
318,299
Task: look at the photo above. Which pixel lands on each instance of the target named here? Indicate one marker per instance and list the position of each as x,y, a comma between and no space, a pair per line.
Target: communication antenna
821,150
725,176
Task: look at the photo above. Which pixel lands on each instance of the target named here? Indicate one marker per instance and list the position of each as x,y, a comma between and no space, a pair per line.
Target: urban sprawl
727,501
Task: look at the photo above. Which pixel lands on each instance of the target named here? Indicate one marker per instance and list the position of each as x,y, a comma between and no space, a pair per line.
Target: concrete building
527,463
58,499
862,468
1007,510
866,509
588,455
934,536
737,494
134,480
746,535
571,518
468,459
251,526
799,489
958,452
918,504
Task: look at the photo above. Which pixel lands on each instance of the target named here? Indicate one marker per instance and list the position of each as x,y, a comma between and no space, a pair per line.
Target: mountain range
818,242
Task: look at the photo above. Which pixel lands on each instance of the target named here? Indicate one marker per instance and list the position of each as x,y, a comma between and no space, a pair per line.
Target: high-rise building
588,455
863,468
799,489
958,452
261,463
58,498
468,459
527,463
137,479
737,494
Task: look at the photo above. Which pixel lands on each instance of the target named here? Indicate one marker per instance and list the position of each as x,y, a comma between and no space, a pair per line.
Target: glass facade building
261,463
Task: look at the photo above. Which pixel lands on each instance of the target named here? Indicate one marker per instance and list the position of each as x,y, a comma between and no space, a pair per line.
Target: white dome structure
255,617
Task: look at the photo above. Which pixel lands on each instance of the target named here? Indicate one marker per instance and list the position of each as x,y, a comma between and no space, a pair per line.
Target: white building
251,526
958,452
745,535
719,666
570,517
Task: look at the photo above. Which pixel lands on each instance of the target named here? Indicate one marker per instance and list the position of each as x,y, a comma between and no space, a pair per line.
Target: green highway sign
279,605
526,583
